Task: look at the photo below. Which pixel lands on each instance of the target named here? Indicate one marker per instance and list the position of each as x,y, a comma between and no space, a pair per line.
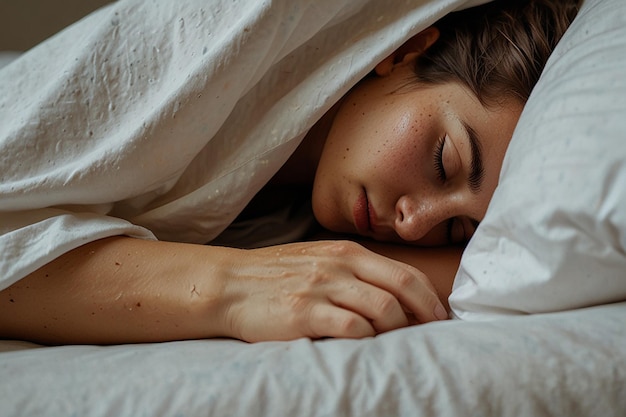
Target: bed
539,302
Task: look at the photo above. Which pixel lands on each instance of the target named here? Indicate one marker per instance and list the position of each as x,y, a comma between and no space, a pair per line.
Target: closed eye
460,230
438,160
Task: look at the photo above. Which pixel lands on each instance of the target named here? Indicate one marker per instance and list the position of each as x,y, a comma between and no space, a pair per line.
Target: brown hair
497,50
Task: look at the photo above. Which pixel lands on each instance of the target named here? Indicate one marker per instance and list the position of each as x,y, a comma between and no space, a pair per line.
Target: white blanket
162,119
562,364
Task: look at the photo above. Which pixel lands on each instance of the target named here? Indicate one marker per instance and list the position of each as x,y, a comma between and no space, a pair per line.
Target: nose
415,219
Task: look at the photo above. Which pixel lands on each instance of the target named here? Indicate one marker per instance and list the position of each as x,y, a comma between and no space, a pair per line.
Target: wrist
212,289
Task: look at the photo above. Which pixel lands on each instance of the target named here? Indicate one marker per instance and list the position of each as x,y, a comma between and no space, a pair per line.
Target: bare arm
116,290
122,290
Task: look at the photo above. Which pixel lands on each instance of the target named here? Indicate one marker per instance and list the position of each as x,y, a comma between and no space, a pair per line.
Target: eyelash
438,159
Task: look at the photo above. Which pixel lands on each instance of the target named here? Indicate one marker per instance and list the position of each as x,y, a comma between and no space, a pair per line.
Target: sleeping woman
398,174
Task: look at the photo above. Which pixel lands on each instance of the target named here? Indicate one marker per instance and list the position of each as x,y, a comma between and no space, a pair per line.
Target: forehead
499,115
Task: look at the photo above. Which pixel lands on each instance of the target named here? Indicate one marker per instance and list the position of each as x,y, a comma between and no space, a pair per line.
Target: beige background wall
25,23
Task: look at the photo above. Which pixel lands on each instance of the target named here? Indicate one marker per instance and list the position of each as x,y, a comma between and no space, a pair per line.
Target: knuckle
348,325
385,304
343,248
317,276
299,311
298,303
403,279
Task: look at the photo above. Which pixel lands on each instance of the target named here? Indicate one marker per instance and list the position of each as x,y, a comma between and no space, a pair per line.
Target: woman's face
417,165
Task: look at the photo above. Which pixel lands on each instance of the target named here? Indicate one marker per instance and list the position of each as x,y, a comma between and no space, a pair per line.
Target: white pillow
554,237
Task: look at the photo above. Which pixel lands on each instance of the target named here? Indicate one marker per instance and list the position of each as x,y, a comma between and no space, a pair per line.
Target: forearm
119,290
124,290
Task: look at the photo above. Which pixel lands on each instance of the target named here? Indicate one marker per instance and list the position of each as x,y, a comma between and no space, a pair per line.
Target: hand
323,289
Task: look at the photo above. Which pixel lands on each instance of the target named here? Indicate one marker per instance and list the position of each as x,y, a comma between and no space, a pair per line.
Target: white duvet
163,118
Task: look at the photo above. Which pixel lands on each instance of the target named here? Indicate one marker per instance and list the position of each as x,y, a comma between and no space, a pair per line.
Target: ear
408,51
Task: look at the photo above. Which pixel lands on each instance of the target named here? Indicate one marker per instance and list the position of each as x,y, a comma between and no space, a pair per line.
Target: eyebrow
477,170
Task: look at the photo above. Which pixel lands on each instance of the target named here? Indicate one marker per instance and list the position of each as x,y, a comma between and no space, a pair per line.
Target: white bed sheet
560,364
163,119
6,57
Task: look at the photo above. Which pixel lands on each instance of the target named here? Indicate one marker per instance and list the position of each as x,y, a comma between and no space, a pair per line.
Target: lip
361,213
372,217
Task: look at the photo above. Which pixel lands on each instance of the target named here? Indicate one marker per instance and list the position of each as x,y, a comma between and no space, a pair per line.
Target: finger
425,288
379,306
327,320
411,287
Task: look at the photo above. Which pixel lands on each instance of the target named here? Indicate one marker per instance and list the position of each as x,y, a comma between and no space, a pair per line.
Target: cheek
328,207
401,151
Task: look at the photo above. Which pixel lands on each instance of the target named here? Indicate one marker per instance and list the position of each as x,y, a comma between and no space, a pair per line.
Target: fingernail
440,312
